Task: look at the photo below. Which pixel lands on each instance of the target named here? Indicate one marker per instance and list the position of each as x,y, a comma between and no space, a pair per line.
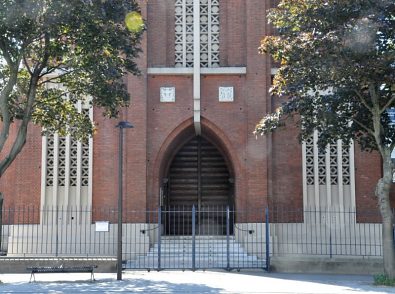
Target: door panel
197,176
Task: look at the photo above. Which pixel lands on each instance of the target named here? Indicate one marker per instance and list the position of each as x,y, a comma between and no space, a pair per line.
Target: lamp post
121,125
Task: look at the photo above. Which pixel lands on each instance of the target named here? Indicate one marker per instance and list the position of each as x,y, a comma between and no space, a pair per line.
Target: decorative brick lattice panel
321,168
346,165
333,164
73,162
50,161
209,33
85,157
184,33
322,164
62,161
310,161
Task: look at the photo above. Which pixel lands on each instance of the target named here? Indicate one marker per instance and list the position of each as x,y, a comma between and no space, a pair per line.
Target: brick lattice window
209,33
334,150
310,161
62,161
85,157
72,161
50,160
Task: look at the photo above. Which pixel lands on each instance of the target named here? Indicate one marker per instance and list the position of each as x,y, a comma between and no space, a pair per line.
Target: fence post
57,231
330,232
159,235
267,239
227,239
193,238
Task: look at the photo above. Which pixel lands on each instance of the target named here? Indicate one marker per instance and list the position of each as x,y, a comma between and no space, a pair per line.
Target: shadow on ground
106,286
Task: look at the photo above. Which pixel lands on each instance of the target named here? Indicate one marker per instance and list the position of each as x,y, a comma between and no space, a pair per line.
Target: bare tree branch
392,100
369,131
363,100
48,80
27,65
6,54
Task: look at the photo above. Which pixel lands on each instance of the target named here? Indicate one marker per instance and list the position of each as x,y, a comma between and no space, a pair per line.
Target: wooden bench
61,269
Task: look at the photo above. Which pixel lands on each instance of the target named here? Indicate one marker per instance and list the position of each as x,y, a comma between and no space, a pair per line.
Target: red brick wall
21,183
106,144
160,33
265,168
367,173
233,32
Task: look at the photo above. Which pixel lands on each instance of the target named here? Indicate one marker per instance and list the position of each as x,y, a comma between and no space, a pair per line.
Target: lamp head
124,125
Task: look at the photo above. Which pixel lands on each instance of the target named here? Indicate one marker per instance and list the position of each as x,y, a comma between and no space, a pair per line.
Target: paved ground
191,282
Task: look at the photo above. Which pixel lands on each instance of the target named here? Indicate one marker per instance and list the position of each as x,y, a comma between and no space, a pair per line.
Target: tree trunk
382,192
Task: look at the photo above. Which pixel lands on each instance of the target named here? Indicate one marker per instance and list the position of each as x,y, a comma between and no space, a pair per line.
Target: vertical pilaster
352,175
316,172
328,176
196,66
67,172
55,170
340,174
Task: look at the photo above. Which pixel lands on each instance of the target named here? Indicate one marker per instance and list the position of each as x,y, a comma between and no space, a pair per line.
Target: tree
337,70
86,46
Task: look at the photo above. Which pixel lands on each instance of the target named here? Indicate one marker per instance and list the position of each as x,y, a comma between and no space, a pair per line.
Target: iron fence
190,237
326,232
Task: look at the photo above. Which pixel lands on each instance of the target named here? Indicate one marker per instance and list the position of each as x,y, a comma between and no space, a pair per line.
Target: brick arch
176,139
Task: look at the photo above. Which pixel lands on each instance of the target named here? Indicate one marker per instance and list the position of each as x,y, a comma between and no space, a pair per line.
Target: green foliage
337,67
383,280
82,45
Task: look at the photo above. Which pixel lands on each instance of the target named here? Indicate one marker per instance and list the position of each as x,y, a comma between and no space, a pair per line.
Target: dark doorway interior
198,176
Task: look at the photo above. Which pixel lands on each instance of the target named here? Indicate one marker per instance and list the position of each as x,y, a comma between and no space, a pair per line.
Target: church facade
202,90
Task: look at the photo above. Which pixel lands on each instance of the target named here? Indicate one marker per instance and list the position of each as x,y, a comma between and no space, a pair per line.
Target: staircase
210,252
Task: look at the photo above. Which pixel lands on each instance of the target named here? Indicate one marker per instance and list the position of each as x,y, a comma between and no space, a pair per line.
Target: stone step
200,237
238,255
210,252
197,248
197,251
201,264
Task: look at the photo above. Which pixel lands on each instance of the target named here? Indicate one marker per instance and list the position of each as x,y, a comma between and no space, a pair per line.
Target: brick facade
266,169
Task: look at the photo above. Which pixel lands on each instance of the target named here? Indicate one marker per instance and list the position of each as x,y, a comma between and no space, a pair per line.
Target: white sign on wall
102,226
167,94
225,94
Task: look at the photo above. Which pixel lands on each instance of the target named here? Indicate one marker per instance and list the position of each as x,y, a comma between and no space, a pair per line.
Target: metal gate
227,239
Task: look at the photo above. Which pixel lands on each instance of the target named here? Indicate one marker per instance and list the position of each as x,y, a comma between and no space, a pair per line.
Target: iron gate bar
267,235
193,238
159,236
227,240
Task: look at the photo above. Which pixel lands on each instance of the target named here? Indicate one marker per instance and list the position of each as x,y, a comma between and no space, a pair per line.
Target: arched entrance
198,177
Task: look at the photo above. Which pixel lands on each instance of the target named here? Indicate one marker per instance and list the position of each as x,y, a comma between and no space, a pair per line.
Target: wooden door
198,176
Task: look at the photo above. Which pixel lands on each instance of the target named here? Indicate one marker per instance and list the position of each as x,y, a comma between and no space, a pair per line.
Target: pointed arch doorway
199,177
